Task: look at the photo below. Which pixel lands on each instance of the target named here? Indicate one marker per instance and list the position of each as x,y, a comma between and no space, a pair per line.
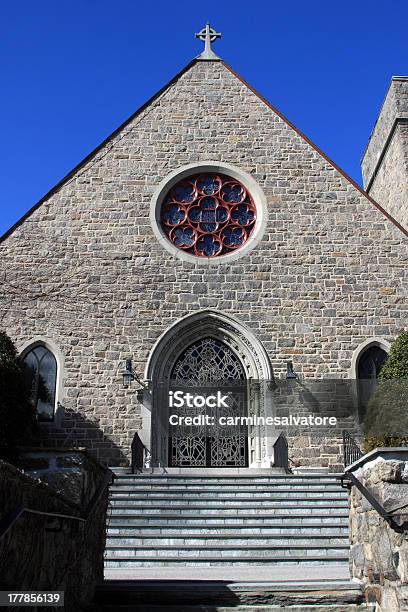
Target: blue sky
71,72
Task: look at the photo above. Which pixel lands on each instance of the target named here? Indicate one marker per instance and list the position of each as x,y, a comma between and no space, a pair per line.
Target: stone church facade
119,262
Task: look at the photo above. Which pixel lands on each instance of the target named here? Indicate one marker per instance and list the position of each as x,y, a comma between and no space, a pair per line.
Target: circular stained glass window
208,215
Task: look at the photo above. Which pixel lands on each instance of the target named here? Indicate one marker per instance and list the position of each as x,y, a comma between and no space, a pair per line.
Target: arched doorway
206,367
210,349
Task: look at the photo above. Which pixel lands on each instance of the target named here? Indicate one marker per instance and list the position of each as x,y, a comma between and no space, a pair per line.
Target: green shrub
396,366
18,424
386,419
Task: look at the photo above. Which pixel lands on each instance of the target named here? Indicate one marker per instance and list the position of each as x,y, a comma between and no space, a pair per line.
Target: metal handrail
7,522
388,518
351,451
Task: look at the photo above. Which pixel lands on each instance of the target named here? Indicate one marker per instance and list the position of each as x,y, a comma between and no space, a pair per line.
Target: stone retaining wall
50,553
379,555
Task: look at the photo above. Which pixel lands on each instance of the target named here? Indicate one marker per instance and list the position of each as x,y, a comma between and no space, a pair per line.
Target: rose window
208,215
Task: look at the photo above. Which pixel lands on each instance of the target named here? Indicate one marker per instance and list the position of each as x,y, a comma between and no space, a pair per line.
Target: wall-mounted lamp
127,373
290,372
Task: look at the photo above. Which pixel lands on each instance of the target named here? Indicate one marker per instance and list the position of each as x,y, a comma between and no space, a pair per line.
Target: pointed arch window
369,367
41,373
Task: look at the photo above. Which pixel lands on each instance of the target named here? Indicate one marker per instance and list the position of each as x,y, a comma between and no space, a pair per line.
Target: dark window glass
41,372
368,370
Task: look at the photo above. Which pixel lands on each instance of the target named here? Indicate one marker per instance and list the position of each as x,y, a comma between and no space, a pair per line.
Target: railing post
280,453
137,451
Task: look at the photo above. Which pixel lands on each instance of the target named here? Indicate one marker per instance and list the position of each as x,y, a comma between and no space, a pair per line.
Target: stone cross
208,35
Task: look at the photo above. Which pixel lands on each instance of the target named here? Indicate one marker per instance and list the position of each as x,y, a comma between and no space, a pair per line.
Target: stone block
394,496
390,600
383,471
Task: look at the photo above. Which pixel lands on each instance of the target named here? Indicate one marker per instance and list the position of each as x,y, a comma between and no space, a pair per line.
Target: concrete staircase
201,541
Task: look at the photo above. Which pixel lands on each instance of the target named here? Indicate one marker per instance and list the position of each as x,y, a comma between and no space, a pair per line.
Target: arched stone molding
218,167
249,351
49,344
374,341
209,322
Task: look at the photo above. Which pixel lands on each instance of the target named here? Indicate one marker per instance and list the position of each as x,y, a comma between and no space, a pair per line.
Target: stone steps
215,561
229,547
200,472
211,494
176,519
266,510
226,519
262,608
208,503
129,541
143,480
218,596
248,531
258,490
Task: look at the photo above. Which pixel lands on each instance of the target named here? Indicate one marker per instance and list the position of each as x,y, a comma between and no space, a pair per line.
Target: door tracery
204,367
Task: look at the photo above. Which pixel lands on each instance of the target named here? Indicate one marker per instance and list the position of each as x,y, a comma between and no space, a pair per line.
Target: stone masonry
379,554
385,160
85,270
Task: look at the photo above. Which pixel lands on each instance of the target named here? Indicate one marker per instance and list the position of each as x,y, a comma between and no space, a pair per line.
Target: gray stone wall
46,553
386,179
86,271
309,446
390,187
379,555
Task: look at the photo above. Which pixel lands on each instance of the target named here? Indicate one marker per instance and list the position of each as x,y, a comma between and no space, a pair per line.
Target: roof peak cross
208,35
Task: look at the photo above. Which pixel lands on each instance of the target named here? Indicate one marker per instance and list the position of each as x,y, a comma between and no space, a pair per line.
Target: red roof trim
316,148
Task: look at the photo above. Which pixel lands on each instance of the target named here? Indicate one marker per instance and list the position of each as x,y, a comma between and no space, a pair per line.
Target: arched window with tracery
41,372
207,361
369,366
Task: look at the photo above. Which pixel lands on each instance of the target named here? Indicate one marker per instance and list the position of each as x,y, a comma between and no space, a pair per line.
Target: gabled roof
152,99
